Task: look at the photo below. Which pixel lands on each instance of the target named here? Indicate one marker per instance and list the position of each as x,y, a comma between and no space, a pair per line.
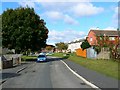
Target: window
91,39
112,38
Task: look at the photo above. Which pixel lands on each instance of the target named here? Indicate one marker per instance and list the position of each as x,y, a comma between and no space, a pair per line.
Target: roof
77,41
106,32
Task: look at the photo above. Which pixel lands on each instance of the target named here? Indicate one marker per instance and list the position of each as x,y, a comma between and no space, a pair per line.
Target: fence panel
80,52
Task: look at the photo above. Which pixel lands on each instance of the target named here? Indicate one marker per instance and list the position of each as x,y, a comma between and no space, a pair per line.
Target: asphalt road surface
51,74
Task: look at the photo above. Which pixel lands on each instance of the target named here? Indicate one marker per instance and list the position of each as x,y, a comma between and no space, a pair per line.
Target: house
109,37
93,33
73,45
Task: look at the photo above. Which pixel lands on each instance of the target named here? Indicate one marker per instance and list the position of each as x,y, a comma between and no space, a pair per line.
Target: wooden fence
87,53
80,52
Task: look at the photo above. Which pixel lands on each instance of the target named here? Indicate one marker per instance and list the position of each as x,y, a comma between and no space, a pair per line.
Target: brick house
113,37
93,33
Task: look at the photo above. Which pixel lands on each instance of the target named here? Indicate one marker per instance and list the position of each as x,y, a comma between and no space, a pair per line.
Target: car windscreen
41,56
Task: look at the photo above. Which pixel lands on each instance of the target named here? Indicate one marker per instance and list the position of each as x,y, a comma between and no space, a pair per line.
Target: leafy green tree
48,48
85,44
61,46
22,29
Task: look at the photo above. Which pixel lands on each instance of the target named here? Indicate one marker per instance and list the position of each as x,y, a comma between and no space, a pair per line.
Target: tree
22,29
115,48
85,44
61,46
104,42
49,48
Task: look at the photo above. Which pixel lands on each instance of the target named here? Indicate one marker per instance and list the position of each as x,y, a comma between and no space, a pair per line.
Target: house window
112,38
91,39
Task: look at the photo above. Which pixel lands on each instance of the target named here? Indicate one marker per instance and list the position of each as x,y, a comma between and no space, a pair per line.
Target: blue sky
68,21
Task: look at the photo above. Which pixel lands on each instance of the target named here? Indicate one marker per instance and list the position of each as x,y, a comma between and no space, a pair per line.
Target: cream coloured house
73,45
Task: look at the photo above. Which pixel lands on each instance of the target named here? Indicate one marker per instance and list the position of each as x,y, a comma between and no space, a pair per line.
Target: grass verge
29,58
106,67
61,55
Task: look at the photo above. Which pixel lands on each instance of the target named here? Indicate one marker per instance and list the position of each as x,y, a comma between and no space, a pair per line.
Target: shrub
85,45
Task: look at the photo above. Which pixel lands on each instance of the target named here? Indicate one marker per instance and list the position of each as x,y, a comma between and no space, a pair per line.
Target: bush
97,49
66,55
85,45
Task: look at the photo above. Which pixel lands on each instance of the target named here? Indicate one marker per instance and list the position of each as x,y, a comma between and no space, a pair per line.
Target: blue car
41,58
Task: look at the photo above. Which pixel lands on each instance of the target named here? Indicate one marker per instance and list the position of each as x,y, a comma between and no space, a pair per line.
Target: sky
68,21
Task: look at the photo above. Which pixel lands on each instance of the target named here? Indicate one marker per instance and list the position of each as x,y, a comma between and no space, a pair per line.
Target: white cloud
56,6
58,10
74,8
55,15
27,3
70,20
86,9
64,36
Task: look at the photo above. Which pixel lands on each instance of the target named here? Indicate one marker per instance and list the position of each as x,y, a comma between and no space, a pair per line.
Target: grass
29,58
62,55
58,54
106,67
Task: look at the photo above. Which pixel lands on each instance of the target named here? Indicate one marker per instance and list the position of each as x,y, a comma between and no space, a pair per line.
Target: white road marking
86,81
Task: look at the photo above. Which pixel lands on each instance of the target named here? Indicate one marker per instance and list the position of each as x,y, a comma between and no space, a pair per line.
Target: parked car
41,58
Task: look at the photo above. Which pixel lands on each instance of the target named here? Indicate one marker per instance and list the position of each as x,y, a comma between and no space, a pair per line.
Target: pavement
12,72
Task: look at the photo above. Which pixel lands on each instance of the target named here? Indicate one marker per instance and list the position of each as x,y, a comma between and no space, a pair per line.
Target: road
51,74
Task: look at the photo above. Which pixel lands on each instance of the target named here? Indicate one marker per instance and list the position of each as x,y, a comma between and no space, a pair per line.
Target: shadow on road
9,75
